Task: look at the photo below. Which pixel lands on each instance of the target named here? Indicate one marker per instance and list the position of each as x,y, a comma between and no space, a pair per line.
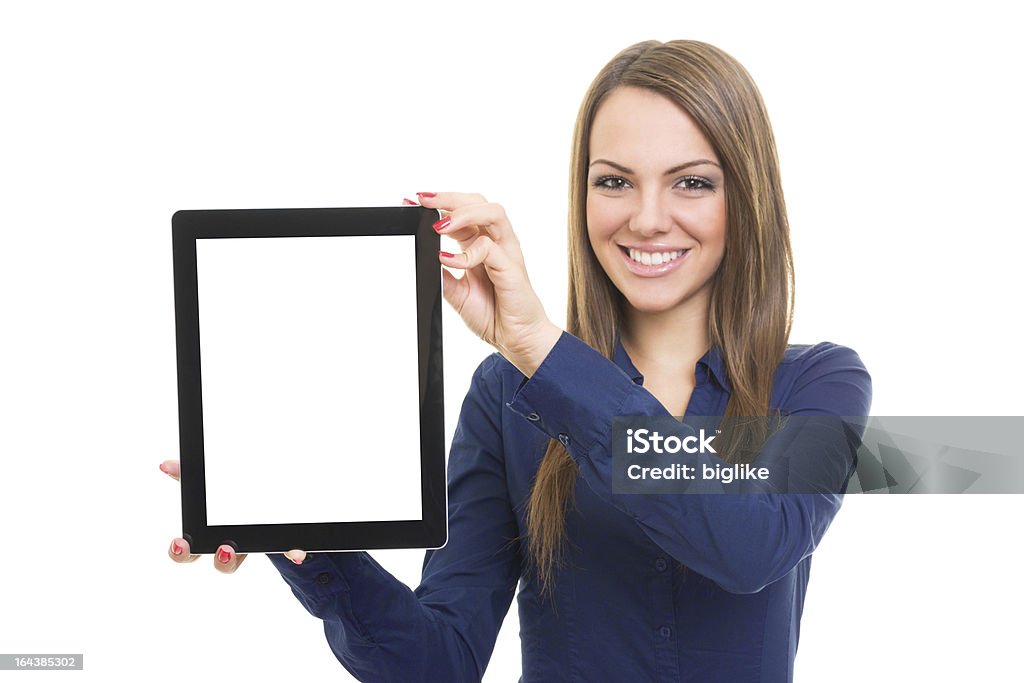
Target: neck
669,340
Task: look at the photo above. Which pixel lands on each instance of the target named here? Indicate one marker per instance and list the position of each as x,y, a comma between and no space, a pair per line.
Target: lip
652,248
652,270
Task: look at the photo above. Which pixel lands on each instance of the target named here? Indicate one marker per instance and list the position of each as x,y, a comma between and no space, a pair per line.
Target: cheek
596,228
721,220
709,226
604,218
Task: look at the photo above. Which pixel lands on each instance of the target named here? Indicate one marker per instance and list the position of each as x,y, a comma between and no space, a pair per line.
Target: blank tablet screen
310,378
297,422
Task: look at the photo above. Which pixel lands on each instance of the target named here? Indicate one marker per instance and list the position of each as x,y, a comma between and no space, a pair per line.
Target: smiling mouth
652,258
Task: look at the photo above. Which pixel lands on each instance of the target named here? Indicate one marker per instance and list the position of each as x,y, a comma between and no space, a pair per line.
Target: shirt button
533,417
660,564
665,632
564,438
323,578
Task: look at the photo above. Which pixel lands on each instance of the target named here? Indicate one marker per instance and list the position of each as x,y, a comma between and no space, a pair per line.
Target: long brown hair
752,292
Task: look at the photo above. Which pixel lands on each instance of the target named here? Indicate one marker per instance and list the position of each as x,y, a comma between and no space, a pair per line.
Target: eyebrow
674,169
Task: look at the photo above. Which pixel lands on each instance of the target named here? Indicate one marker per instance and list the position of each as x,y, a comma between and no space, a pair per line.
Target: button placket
664,618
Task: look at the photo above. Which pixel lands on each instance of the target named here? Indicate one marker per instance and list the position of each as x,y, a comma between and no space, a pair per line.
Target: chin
663,299
649,305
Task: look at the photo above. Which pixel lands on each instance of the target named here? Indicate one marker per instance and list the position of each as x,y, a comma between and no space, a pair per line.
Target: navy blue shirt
621,610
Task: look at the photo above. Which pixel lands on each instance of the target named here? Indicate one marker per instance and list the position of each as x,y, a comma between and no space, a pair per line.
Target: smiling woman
665,135
656,226
680,304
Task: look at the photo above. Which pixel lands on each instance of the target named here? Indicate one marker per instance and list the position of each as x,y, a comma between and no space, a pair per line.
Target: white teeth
648,258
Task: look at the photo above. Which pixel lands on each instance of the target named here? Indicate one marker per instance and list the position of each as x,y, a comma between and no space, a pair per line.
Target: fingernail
163,468
223,556
428,195
445,254
409,201
177,548
294,561
442,224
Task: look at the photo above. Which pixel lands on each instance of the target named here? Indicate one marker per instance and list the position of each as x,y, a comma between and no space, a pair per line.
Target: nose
650,216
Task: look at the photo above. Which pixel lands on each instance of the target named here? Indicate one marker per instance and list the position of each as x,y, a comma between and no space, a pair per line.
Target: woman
679,304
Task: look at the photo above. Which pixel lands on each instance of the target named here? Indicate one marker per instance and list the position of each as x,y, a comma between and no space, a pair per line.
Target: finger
465,244
455,290
484,251
226,560
171,469
412,202
296,556
449,201
489,218
179,551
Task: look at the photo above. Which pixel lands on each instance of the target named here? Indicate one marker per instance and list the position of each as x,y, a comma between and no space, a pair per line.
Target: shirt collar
711,360
621,358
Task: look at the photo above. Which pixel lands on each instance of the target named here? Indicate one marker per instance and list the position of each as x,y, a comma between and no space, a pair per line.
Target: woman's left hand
494,297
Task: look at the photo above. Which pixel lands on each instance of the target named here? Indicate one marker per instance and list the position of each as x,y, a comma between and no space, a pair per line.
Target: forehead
642,127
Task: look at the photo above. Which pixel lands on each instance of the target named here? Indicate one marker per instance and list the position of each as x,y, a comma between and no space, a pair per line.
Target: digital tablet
310,396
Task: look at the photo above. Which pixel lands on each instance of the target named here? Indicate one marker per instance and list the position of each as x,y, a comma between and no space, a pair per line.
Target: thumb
296,556
455,290
172,469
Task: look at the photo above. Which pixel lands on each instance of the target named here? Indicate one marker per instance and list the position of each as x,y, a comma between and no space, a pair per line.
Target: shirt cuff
573,385
319,578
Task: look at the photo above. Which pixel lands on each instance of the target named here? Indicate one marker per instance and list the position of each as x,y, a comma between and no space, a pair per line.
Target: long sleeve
743,542
445,630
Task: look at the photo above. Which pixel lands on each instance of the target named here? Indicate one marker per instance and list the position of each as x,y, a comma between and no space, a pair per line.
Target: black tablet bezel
429,532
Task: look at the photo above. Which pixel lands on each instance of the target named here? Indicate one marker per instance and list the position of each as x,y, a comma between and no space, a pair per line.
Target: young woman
680,303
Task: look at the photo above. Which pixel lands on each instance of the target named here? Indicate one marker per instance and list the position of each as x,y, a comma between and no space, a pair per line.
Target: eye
610,182
695,183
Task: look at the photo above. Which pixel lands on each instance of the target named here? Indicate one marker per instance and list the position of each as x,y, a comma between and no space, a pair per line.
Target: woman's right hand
494,295
226,560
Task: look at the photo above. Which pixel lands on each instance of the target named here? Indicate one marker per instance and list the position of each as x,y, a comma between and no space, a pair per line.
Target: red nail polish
442,224
176,548
428,195
223,556
409,201
445,254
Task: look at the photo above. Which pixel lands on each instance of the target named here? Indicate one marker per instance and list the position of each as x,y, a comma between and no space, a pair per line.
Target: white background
898,130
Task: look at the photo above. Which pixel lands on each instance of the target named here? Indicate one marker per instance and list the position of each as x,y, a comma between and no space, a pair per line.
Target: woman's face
655,203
